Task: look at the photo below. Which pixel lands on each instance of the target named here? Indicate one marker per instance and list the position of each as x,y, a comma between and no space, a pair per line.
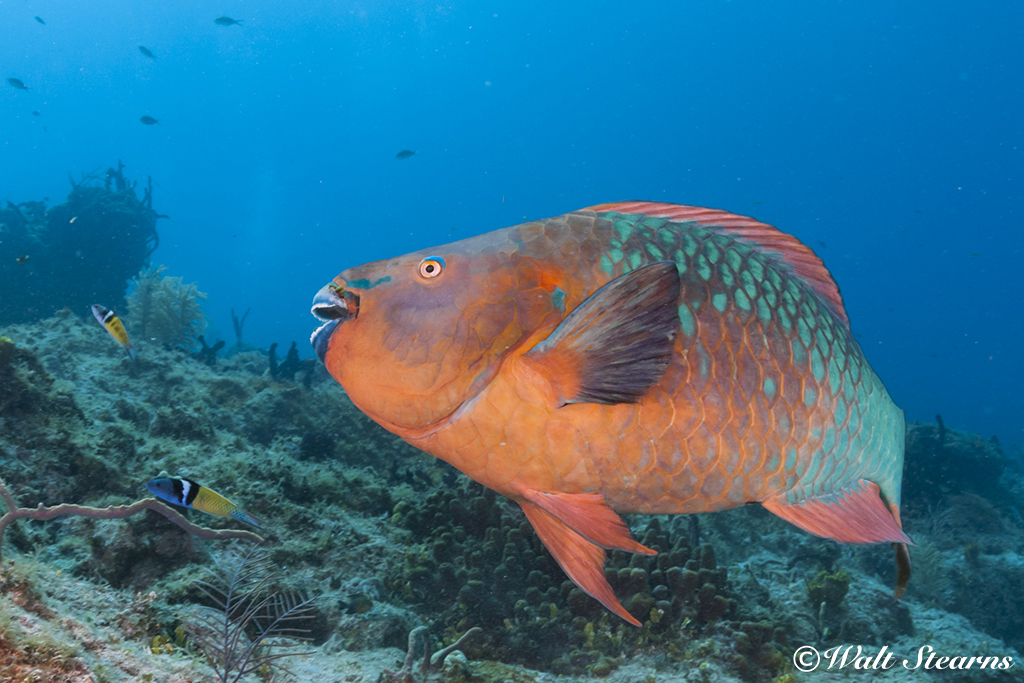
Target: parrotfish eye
431,267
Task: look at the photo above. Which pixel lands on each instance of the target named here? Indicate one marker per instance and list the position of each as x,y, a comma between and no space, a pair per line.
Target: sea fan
251,627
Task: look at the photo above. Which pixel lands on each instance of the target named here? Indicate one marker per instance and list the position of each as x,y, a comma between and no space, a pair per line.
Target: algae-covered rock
829,588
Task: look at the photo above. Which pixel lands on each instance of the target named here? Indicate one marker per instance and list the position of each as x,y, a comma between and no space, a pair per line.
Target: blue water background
887,136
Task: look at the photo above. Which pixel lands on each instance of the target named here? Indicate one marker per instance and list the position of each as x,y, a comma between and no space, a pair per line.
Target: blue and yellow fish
112,324
187,493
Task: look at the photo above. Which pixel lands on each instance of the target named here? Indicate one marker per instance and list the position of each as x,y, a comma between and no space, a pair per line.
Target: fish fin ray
852,515
580,559
902,569
615,345
797,256
588,515
247,517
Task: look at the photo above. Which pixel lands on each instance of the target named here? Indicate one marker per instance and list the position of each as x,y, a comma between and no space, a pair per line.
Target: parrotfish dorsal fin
767,238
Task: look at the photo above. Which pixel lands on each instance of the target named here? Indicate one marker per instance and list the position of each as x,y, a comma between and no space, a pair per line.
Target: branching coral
112,512
165,310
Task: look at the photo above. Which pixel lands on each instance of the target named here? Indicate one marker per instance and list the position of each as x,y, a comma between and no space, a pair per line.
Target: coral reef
77,253
238,324
208,354
163,309
286,369
941,461
405,544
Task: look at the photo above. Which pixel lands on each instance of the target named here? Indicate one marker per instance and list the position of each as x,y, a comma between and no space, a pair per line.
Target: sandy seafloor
82,600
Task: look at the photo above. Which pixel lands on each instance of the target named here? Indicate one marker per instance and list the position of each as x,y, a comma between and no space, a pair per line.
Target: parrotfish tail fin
902,569
588,515
580,559
130,350
247,517
855,514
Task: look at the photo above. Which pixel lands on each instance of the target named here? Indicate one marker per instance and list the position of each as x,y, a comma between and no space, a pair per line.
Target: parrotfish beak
333,304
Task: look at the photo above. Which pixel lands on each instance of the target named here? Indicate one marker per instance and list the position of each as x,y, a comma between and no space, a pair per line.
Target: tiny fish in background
405,154
148,120
146,51
112,324
187,493
40,20
22,259
227,21
16,82
35,113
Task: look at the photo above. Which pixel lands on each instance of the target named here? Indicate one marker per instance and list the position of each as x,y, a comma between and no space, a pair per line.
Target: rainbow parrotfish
626,358
189,494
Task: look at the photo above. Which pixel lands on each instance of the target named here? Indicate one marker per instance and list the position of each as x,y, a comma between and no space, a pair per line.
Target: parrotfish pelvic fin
580,559
852,515
588,515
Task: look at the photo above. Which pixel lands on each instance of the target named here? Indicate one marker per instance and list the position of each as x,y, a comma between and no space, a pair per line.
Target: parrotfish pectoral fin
617,343
580,559
588,515
902,569
852,515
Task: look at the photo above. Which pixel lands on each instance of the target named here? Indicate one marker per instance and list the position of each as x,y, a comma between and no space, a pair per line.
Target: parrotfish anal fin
617,343
852,515
580,559
766,238
588,515
902,569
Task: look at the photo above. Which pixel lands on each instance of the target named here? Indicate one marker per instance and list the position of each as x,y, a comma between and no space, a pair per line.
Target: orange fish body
626,358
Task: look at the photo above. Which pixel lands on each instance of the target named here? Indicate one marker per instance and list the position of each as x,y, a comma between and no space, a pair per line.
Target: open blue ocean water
886,136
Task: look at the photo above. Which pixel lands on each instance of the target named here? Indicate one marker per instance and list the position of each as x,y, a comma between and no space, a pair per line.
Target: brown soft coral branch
113,512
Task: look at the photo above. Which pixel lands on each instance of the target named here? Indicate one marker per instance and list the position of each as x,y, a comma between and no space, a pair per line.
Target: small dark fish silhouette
227,21
40,20
35,113
21,259
17,84
148,120
146,51
405,154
